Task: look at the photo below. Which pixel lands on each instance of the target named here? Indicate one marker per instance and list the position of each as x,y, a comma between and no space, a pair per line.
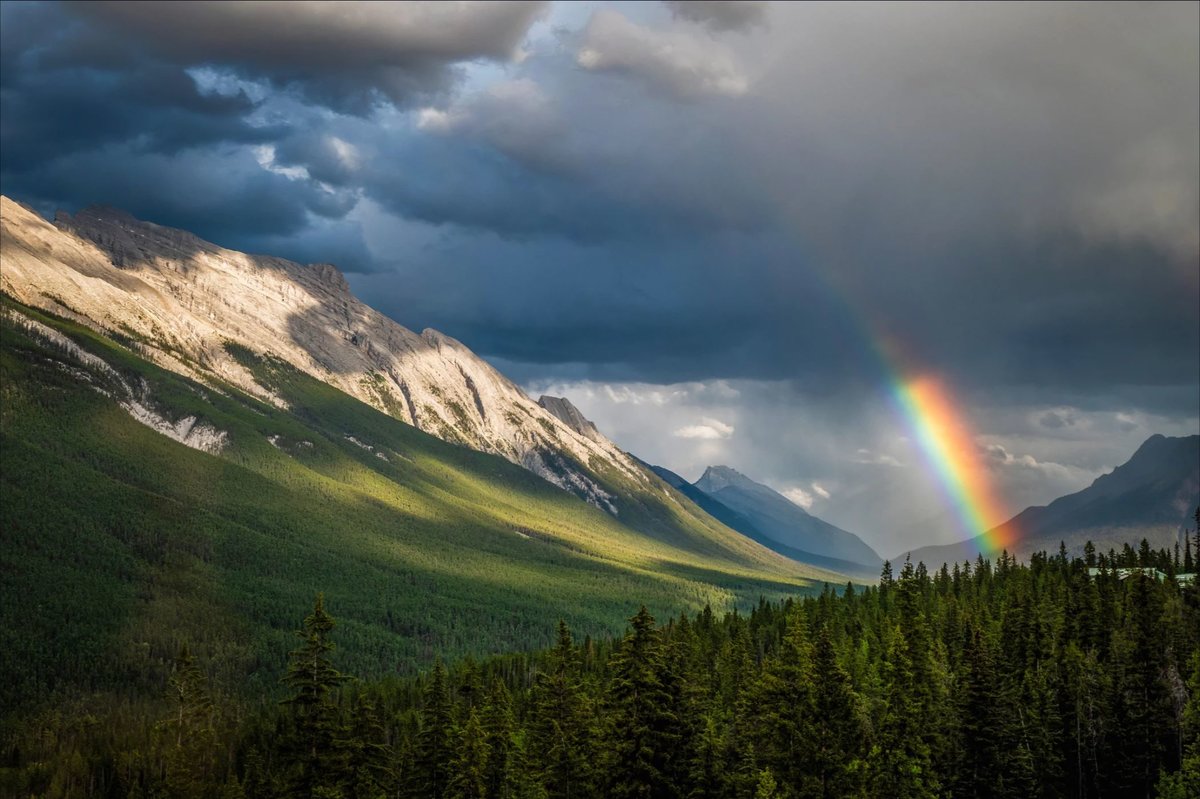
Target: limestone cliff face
180,300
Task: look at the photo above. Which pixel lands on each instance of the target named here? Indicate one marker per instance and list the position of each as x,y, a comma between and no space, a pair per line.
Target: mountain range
1152,495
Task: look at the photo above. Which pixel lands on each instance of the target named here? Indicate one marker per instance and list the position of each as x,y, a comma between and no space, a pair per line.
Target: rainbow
949,447
930,412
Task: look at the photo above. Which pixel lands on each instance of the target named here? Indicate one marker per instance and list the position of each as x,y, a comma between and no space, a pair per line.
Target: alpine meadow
532,399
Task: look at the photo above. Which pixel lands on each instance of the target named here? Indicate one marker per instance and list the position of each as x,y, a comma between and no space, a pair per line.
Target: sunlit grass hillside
120,544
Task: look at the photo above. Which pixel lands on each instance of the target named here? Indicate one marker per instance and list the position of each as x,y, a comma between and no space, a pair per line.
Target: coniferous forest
1064,677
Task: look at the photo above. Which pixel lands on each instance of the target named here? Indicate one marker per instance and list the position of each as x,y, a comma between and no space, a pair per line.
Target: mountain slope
1151,496
189,306
180,299
780,521
142,509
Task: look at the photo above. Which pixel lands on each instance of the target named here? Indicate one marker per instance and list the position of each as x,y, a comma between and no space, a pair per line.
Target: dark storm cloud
1009,191
349,56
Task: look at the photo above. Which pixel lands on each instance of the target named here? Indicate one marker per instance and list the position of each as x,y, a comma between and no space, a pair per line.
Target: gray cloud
721,15
673,61
851,459
347,55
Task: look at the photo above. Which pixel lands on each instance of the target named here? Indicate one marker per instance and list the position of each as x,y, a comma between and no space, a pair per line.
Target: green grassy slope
119,543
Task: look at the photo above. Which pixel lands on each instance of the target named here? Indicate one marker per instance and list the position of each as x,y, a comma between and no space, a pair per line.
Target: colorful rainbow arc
950,450
929,410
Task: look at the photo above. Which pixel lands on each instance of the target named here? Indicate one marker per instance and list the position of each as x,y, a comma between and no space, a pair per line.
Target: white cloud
708,428
672,60
799,496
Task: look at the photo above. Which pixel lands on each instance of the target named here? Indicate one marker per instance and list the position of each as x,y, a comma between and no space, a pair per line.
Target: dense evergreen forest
1063,677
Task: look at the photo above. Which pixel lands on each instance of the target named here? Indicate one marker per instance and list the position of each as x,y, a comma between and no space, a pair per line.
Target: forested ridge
1061,677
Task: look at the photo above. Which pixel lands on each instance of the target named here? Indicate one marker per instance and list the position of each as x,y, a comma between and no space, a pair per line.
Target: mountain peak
780,520
565,411
716,478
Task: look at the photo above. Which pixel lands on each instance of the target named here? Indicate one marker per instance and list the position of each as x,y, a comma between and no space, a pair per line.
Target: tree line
1063,677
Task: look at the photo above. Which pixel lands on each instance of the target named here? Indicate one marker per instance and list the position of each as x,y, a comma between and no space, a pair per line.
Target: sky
712,225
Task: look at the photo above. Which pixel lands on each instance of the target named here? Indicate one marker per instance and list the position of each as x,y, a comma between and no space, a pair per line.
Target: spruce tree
190,729
901,765
784,725
469,768
369,757
502,775
641,730
436,738
317,752
560,736
839,731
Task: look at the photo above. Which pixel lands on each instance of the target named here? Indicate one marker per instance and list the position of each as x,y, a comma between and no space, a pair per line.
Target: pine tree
318,753
1185,784
369,772
190,729
435,740
901,766
766,788
502,776
839,732
784,727
1144,703
469,769
982,769
641,729
560,735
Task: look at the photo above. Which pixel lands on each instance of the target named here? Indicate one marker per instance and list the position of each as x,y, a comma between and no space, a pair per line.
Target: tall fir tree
469,768
840,734
190,730
317,753
641,730
435,747
560,735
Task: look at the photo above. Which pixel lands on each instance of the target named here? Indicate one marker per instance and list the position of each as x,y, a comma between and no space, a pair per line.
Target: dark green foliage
816,697
987,679
469,769
435,748
560,728
318,754
641,731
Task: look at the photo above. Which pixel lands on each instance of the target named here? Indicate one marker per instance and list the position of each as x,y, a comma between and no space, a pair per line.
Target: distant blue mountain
766,516
1152,495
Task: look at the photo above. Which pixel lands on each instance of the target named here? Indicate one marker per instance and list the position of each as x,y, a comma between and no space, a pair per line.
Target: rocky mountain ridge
184,303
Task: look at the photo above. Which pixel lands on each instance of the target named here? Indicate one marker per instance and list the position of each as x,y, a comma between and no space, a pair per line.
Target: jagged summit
186,300
566,412
716,478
